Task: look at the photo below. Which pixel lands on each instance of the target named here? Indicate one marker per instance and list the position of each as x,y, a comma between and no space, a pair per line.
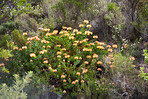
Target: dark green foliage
3,42
18,38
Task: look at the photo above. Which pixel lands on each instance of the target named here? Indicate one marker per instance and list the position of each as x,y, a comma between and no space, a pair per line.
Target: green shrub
3,43
16,90
145,56
18,37
69,61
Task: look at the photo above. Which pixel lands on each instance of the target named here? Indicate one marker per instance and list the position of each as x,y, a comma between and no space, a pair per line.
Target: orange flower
78,73
64,80
55,31
82,81
100,47
73,82
31,60
48,34
15,48
41,52
20,49
28,42
99,69
2,64
48,46
95,36
76,81
125,46
95,56
132,58
108,46
63,76
133,65
64,91
67,56
99,62
113,83
50,68
54,70
114,46
88,56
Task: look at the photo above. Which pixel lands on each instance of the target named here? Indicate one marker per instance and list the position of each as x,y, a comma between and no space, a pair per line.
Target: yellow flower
66,34
86,62
64,91
15,48
108,46
92,44
74,44
95,56
59,52
80,58
71,37
32,55
73,82
50,68
78,73
69,28
114,46
64,80
46,30
88,56
99,62
54,70
64,27
63,76
84,71
48,34
133,65
63,49
25,33
67,56
41,52
132,58
61,32
45,62
44,51
110,50
55,31
58,45
76,57
48,46
75,30
58,56
43,46
24,47
101,43
86,21
81,25
76,41
79,32
73,34
31,60
95,36
88,26
125,46
76,81
82,81
100,47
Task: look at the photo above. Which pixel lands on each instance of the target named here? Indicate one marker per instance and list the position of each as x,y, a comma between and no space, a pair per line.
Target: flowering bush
70,59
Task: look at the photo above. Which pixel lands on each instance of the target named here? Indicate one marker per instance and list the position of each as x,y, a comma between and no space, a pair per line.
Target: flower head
32,55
